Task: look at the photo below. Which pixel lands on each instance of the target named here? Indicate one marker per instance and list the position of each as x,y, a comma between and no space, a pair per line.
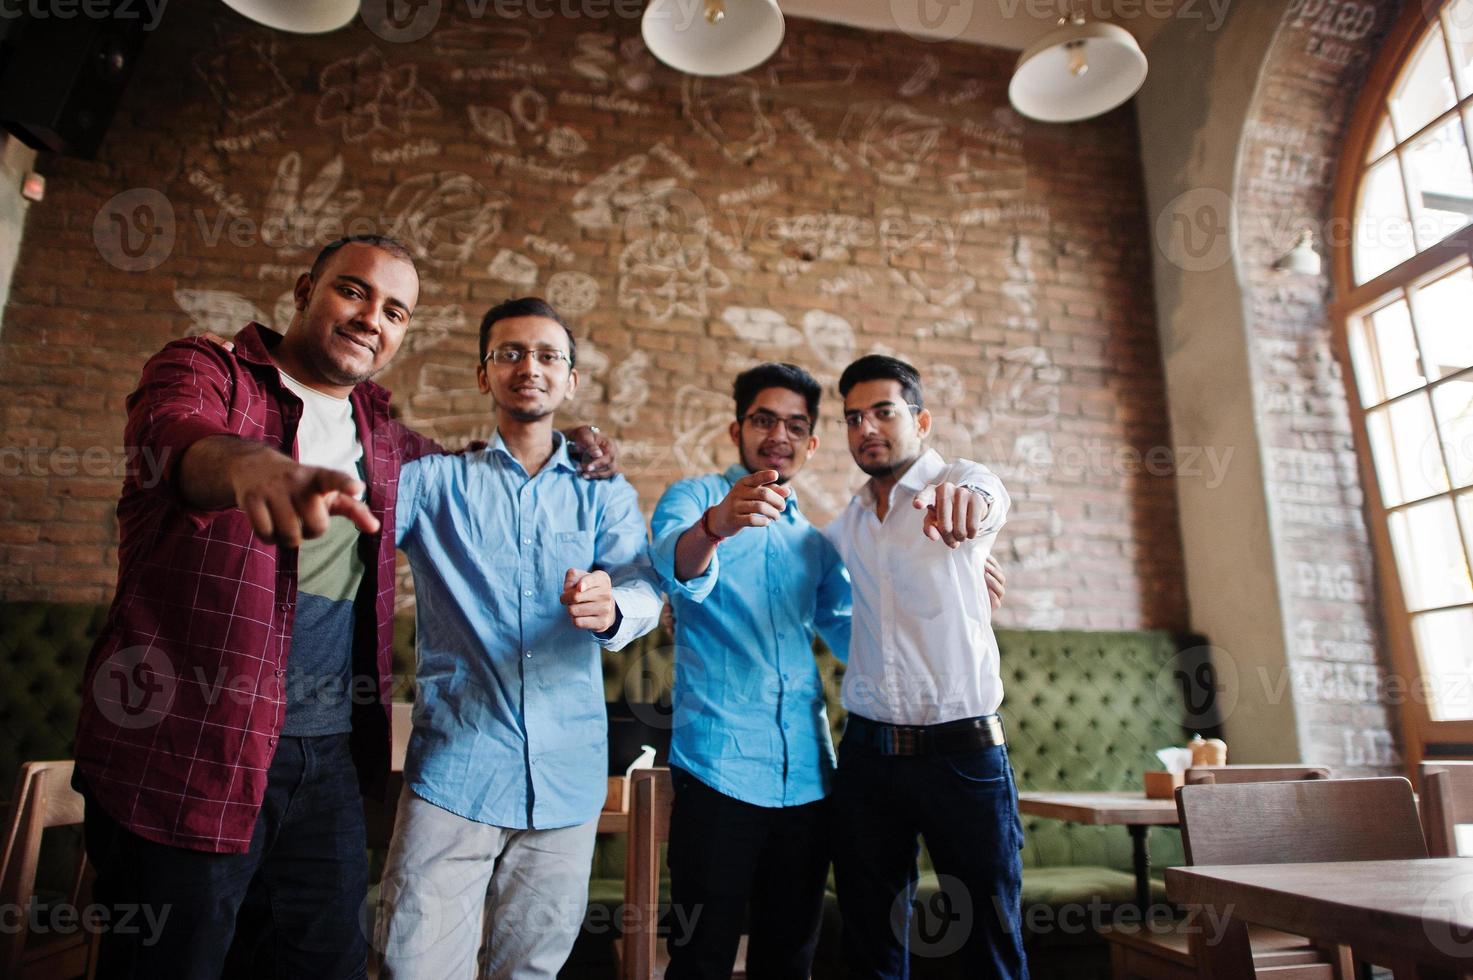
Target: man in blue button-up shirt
751,755
522,570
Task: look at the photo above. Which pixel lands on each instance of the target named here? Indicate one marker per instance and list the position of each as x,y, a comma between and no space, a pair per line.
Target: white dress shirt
922,650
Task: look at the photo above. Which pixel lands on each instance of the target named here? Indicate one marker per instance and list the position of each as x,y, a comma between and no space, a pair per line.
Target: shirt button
526,592
529,654
526,541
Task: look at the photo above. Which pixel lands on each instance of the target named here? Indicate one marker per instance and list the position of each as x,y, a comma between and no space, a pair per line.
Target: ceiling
1001,23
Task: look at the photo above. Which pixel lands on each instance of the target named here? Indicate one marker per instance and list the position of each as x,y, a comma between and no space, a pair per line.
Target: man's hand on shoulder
597,455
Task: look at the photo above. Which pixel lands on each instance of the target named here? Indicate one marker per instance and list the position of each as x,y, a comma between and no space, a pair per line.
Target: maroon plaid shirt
184,694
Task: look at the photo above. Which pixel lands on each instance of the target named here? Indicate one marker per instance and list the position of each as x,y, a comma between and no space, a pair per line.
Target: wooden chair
651,796
1447,800
1140,952
1300,821
1253,774
44,798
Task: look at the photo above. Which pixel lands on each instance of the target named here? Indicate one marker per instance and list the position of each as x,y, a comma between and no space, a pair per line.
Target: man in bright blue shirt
522,570
750,756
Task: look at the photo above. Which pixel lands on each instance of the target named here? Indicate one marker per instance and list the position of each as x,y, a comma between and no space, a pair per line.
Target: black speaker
61,76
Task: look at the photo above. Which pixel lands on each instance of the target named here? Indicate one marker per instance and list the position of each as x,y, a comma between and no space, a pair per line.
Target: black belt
966,735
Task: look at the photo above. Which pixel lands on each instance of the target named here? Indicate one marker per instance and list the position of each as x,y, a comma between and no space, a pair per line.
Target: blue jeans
965,807
286,908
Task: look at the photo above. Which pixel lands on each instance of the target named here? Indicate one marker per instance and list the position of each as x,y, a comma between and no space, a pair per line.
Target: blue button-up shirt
749,717
510,726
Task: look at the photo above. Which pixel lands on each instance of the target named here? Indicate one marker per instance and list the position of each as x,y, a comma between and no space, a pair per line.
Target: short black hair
525,306
752,382
878,367
393,246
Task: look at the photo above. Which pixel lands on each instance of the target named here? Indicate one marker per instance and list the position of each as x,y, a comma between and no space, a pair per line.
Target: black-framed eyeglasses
798,426
545,356
880,415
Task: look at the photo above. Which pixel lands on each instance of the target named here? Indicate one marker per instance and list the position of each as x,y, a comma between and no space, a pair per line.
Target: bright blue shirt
749,717
510,727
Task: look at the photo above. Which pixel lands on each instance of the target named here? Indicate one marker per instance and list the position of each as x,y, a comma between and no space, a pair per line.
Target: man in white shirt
923,753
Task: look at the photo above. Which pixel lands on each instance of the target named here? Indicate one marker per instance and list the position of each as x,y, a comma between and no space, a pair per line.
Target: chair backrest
1300,821
650,797
1253,774
44,798
1447,800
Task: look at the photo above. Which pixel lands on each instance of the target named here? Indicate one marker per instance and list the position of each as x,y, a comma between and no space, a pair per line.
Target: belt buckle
904,741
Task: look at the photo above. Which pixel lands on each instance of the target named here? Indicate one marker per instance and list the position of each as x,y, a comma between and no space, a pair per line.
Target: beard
525,415
334,373
887,469
752,467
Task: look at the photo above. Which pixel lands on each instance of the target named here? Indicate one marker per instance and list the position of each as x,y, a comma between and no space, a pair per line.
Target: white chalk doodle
848,281
513,267
1023,385
431,326
947,293
891,139
443,218
489,37
595,58
972,90
363,97
529,108
414,150
922,77
505,70
673,160
808,133
593,363
764,188
944,385
556,251
214,189
767,328
829,336
699,423
572,293
553,173
492,124
631,390
298,219
221,311
797,73
729,113
242,75
609,102
665,270
597,200
564,142
246,142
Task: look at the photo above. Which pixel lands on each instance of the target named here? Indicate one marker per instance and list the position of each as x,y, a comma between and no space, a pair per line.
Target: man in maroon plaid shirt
237,702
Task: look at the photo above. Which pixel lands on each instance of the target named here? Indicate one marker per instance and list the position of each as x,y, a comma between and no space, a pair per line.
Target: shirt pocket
563,550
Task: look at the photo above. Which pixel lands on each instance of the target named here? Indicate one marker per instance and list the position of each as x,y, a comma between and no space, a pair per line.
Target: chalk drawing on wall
243,77
490,37
944,384
296,219
596,61
699,425
223,312
443,218
1023,385
431,326
593,365
891,139
492,124
766,328
665,269
564,142
364,96
631,390
922,77
572,293
947,293
596,201
830,337
728,112
794,73
514,268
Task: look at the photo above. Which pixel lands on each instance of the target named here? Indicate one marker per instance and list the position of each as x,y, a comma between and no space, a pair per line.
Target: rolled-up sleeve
973,474
622,549
679,508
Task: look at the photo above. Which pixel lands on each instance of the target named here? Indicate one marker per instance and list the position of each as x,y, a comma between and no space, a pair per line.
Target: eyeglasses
880,415
799,427
545,356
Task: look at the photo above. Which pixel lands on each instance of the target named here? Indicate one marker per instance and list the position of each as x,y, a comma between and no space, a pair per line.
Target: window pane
1445,650
1440,182
1396,350
1383,142
1443,323
1383,235
1405,450
1465,515
1429,552
1457,18
1359,331
1453,402
1426,87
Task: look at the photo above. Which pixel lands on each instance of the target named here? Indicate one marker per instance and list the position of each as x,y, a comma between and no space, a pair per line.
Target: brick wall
1337,653
860,193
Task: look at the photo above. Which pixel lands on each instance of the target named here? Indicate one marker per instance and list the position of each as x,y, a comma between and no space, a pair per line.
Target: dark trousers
727,857
287,908
965,807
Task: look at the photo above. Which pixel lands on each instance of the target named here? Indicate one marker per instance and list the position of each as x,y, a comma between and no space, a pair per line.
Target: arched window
1405,287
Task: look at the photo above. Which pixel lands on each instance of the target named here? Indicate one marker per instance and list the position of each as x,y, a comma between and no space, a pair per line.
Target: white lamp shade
678,33
1044,88
297,16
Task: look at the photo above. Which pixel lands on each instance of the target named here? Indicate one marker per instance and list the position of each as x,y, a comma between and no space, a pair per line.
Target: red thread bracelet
706,528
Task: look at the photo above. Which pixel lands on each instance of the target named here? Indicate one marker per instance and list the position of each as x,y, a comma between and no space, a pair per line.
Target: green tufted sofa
1084,710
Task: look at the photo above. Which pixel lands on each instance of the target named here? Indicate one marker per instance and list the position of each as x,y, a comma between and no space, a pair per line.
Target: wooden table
1415,917
1131,810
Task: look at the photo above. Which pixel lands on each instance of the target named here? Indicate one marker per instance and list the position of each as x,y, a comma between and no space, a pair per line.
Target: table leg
1141,859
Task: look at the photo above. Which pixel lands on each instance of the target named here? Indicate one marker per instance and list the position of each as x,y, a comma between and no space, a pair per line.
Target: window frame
1422,736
